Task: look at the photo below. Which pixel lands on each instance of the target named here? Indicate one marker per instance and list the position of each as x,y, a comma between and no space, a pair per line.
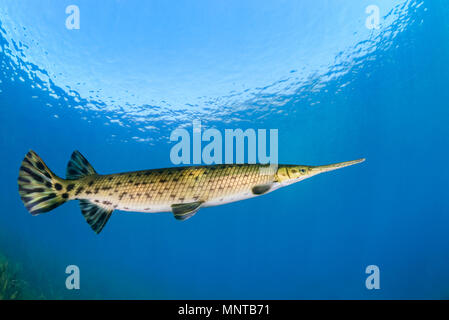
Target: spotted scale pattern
156,190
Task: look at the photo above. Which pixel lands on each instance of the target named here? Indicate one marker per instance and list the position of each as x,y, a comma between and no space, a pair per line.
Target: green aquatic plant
17,284
11,287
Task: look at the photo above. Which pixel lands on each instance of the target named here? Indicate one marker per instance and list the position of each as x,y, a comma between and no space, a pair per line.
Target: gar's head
288,174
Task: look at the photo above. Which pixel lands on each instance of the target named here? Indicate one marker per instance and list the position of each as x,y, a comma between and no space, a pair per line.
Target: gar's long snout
330,167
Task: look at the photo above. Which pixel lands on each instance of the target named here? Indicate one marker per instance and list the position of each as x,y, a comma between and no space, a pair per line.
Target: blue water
336,91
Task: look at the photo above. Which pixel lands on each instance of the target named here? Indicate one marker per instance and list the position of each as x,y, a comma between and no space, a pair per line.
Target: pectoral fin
261,189
184,211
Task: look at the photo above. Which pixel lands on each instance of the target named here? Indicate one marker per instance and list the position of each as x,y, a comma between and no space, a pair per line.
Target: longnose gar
182,190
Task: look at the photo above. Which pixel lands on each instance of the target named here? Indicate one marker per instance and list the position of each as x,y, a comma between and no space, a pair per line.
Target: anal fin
184,211
95,215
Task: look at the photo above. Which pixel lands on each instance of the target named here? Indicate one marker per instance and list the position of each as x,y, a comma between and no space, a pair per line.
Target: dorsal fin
79,167
95,215
184,211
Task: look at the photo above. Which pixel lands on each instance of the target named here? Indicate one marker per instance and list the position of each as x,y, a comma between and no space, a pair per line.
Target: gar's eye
303,170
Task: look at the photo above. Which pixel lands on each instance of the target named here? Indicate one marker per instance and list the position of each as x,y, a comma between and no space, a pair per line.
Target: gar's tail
40,189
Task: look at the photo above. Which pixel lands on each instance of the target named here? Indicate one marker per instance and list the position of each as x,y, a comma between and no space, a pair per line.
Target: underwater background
335,88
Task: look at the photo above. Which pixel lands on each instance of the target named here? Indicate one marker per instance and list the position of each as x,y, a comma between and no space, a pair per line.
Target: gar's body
182,190
157,190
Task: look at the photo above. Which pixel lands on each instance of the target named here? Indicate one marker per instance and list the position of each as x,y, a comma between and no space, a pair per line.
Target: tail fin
40,189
